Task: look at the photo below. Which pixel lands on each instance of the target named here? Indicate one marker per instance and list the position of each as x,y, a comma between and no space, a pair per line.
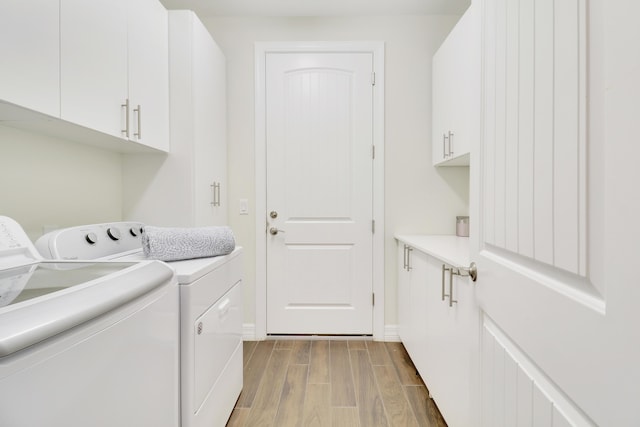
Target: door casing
261,50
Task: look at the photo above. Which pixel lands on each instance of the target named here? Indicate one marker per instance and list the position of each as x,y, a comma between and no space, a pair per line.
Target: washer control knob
113,233
134,231
91,238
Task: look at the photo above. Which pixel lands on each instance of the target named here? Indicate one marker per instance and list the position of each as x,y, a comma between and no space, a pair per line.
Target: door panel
319,184
553,315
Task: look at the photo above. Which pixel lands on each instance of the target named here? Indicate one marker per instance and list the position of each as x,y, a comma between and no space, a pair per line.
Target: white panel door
319,187
554,189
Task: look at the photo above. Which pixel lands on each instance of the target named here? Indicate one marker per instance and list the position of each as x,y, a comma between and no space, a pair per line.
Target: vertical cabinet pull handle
138,113
409,249
471,272
444,145
450,143
215,188
125,131
451,300
444,272
404,258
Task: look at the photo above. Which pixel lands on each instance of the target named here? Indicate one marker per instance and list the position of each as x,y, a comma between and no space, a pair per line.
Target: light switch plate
244,207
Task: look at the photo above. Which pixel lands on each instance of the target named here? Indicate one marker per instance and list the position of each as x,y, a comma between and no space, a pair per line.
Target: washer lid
47,298
30,281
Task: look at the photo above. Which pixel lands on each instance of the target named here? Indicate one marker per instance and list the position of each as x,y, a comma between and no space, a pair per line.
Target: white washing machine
85,343
210,314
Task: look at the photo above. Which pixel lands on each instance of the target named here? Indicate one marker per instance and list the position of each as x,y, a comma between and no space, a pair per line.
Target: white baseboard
390,333
249,332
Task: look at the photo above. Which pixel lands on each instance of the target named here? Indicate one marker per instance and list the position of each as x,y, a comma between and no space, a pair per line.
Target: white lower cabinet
440,335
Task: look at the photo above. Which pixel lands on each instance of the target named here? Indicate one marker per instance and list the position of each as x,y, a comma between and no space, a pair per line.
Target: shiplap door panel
557,346
319,181
518,391
536,142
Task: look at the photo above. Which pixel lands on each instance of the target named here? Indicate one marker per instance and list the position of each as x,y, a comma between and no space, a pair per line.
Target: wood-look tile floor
290,383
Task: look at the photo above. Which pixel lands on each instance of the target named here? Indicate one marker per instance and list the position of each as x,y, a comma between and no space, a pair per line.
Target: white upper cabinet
29,57
208,105
187,188
114,68
93,38
456,92
148,54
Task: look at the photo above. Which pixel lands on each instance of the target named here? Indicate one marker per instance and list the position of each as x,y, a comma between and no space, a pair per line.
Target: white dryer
85,343
210,314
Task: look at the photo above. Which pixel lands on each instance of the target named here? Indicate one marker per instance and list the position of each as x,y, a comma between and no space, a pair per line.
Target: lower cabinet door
452,344
441,336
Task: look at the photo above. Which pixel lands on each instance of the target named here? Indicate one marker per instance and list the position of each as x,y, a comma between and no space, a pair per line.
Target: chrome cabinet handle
404,254
125,131
471,271
138,112
444,272
404,257
451,300
444,145
216,194
450,139
409,250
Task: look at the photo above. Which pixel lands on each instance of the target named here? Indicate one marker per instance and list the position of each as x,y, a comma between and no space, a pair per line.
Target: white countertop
453,250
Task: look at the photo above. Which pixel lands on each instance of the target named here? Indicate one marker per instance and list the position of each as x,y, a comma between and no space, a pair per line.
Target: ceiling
319,7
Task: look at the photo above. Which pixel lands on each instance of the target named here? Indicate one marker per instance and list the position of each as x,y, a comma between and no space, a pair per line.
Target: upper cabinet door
456,92
30,55
209,121
148,53
93,37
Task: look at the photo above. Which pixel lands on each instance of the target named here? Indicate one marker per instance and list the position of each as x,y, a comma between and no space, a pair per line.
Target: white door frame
261,50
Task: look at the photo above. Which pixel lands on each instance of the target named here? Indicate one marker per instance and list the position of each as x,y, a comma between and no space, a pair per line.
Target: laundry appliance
210,314
85,343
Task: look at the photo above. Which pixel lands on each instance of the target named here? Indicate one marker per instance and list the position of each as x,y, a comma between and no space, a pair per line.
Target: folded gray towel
173,244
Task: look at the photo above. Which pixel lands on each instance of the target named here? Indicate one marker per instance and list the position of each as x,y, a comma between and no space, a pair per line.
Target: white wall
418,197
45,181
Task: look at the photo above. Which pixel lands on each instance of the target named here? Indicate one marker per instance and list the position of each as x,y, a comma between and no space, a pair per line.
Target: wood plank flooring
331,383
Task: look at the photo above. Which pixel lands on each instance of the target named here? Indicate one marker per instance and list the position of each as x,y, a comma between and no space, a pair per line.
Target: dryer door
218,332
